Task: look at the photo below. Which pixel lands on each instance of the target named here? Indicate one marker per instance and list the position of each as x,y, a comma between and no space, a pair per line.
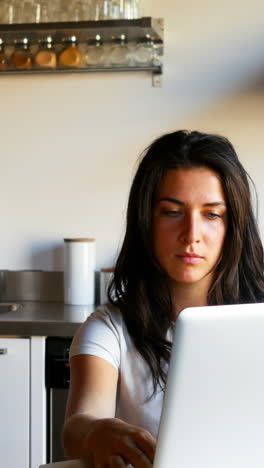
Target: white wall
69,144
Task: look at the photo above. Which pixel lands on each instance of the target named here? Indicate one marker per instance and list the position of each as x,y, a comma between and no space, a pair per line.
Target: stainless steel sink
10,306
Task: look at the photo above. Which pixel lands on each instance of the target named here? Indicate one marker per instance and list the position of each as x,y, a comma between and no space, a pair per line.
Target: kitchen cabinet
22,402
15,402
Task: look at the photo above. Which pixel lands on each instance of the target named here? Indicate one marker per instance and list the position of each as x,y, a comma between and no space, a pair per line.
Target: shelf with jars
83,46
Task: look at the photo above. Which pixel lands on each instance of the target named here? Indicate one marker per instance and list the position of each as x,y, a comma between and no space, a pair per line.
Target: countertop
44,319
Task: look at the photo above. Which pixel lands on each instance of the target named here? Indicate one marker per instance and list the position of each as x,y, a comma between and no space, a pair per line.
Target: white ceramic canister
79,271
106,275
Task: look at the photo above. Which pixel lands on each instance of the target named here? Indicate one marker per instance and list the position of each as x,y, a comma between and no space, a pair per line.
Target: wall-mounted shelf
84,31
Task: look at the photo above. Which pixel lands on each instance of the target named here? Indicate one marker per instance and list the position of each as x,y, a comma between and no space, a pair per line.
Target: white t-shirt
104,334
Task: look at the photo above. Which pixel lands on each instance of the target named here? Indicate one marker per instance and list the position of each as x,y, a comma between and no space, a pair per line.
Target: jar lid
24,42
121,39
97,40
46,41
147,39
107,270
71,40
80,239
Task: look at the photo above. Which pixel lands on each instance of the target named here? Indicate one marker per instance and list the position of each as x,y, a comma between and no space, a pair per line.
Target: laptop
213,410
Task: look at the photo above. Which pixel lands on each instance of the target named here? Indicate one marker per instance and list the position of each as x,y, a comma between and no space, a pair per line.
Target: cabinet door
14,402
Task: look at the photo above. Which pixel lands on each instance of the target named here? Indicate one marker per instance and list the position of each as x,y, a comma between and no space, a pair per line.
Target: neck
188,295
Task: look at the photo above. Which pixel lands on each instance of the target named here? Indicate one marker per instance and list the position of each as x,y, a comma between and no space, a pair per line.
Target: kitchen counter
44,319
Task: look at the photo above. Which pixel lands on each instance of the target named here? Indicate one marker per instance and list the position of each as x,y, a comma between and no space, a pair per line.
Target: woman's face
189,224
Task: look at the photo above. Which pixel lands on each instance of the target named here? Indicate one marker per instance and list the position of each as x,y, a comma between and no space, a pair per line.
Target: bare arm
92,396
90,429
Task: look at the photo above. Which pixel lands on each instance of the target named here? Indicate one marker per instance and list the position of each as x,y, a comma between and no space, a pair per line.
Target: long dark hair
140,288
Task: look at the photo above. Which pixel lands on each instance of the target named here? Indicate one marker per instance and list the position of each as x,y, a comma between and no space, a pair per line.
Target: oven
57,375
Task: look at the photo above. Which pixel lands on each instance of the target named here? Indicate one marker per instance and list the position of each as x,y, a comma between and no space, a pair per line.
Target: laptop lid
213,411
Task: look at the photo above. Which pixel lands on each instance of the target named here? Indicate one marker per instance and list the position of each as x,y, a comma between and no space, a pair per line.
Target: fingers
134,455
117,462
115,444
146,442
114,461
137,447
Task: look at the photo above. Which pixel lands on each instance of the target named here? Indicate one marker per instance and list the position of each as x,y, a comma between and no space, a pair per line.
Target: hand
112,443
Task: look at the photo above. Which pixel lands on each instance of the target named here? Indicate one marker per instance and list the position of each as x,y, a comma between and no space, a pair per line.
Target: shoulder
108,313
106,316
101,334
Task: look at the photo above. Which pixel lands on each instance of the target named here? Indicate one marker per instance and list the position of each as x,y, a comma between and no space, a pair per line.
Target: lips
189,258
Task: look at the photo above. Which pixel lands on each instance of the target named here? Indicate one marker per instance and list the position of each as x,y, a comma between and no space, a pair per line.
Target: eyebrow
179,202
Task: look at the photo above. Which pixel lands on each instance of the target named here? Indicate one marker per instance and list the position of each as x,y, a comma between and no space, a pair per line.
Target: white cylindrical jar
79,271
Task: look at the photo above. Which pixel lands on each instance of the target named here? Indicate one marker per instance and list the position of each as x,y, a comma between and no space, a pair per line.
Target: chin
185,279
188,281
187,276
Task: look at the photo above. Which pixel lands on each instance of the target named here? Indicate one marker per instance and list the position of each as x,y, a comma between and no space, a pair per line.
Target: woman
191,240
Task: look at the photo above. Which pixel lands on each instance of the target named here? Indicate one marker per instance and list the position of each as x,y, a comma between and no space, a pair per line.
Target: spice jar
119,52
46,55
70,57
22,57
94,53
143,55
3,58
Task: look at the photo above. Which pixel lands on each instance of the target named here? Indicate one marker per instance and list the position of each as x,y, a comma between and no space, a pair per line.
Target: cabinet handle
3,350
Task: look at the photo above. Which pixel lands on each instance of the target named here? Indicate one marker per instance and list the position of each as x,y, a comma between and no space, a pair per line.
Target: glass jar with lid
46,57
3,58
143,53
70,56
94,52
119,54
22,58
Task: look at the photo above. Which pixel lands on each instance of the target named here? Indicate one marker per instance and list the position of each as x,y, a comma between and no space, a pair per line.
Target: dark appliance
57,370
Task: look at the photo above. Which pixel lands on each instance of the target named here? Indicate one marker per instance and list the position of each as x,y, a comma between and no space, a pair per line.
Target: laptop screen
213,411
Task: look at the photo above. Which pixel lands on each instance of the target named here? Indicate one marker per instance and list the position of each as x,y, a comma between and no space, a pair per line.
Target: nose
191,229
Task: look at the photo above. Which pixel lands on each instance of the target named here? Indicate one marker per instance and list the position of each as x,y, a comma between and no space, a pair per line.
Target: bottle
21,58
143,54
46,57
94,54
3,58
79,271
119,52
70,57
